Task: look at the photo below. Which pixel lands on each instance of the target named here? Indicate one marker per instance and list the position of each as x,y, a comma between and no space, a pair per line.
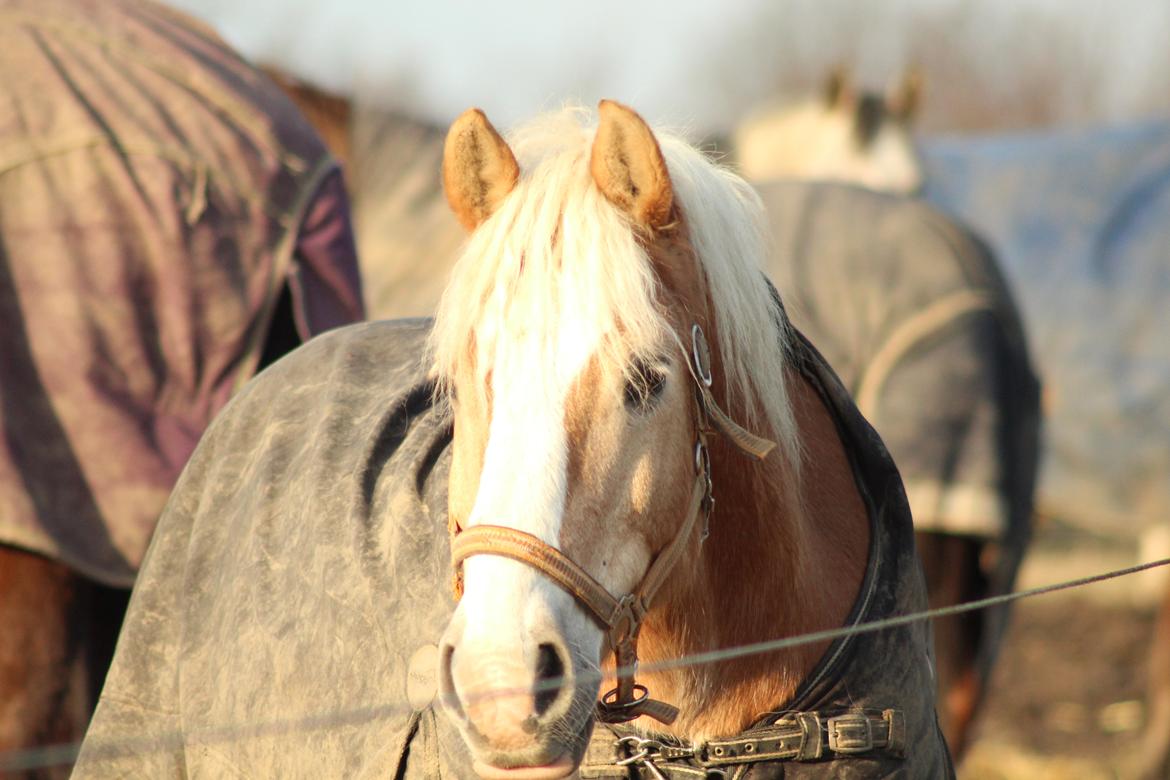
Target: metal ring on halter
635,758
701,355
610,702
641,749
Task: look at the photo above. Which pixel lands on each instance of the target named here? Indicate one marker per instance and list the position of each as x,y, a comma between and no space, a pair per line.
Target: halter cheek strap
622,617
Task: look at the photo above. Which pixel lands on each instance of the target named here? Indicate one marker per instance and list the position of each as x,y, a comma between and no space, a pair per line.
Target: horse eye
644,386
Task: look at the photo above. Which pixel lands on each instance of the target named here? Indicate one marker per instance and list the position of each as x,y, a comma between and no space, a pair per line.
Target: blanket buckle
850,733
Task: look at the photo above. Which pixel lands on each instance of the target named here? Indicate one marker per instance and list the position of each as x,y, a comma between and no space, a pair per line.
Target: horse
168,225
975,524
845,135
608,448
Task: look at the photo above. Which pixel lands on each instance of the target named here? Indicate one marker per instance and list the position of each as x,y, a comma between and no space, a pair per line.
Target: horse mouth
562,766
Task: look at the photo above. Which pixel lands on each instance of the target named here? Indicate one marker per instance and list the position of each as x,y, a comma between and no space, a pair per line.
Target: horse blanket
914,317
156,196
1080,221
286,618
912,313
408,239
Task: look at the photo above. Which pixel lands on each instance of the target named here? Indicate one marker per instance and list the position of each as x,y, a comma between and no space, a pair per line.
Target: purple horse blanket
157,194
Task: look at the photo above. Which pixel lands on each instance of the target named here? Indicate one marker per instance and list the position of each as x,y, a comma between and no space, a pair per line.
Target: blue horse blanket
1080,222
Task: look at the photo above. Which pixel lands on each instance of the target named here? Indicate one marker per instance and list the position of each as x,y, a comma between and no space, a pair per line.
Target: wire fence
64,754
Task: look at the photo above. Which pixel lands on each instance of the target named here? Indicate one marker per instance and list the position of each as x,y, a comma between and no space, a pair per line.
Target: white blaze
523,482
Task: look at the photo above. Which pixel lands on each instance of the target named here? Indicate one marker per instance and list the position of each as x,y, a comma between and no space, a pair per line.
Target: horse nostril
550,673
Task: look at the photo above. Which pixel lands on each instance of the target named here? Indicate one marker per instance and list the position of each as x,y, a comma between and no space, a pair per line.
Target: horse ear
903,102
838,87
479,169
628,166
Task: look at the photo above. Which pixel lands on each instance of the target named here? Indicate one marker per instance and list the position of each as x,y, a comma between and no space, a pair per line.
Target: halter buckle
626,620
703,469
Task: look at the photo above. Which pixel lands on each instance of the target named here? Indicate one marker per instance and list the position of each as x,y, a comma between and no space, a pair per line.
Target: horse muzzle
521,697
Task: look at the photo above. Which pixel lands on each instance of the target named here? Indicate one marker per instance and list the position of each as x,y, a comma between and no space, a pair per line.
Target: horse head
607,309
847,134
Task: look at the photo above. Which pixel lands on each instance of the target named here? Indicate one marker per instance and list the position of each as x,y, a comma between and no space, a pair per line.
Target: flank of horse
844,135
559,340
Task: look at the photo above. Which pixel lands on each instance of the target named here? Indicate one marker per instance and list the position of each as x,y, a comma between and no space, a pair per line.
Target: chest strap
795,736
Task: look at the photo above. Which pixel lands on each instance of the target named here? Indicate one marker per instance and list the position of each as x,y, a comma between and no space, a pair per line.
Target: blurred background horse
849,135
168,225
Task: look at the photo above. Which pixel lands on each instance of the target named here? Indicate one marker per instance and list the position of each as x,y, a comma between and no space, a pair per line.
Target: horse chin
551,752
562,766
547,761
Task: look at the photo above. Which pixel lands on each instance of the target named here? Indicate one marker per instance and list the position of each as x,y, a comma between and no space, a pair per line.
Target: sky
700,65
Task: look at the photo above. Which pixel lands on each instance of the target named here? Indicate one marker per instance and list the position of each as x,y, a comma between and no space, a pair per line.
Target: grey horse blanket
914,316
286,617
912,313
157,193
1080,221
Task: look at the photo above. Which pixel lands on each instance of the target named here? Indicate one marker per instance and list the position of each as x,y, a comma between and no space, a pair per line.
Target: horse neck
779,561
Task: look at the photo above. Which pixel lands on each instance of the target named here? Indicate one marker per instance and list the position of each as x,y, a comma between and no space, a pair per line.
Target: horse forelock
557,255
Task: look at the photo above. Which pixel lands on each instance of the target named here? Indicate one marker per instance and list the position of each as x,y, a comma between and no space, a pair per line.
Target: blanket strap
794,736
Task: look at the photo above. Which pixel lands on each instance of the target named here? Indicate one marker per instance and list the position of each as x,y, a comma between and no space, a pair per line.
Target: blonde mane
556,245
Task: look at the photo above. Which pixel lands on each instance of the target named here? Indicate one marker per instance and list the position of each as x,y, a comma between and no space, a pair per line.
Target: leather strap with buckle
796,736
622,617
810,736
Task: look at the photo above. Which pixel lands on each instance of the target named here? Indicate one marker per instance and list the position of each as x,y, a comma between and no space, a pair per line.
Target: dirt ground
1067,697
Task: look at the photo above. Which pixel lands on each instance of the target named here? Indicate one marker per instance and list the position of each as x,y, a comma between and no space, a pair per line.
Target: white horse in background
846,134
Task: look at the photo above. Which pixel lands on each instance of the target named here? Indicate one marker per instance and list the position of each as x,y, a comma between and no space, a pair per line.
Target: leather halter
622,617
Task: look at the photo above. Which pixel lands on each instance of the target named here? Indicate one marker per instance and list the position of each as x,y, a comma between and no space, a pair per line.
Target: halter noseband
622,617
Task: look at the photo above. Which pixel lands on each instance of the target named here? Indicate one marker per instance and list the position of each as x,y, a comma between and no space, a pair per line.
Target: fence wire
64,754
